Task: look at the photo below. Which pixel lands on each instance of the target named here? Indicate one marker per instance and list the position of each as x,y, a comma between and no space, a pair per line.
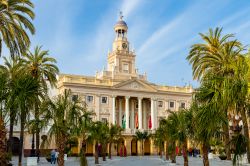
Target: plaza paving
135,161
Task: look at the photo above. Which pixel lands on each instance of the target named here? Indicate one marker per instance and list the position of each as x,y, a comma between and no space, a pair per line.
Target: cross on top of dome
121,16
121,24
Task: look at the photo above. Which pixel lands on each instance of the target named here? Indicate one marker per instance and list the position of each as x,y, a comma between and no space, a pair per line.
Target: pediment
135,84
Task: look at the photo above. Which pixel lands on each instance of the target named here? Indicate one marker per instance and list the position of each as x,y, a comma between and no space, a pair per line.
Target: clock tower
121,61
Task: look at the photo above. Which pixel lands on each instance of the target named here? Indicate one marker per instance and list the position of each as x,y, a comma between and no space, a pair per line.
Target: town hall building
120,95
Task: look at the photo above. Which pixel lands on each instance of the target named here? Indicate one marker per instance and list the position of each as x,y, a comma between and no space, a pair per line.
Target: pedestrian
56,156
53,155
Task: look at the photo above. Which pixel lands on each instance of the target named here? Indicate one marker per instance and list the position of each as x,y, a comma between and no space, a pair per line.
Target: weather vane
121,16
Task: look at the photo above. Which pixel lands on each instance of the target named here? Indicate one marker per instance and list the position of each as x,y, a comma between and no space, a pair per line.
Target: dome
121,23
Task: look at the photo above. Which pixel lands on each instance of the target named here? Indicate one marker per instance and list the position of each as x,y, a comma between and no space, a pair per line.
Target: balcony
133,131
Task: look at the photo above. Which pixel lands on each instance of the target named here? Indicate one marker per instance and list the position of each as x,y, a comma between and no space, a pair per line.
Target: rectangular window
136,105
104,120
90,99
160,104
104,100
183,105
125,68
171,104
74,97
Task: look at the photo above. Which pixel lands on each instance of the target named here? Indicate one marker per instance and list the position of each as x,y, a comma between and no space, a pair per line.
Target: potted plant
222,154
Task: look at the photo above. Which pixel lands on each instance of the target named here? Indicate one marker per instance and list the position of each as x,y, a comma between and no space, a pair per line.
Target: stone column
177,105
156,114
128,145
127,111
140,112
144,115
166,103
97,107
120,112
132,115
152,113
113,110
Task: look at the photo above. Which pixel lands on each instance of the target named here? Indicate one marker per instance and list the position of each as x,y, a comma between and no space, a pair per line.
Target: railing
133,131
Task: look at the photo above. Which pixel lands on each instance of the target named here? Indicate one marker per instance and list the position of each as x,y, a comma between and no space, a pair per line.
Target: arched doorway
147,147
119,144
15,145
134,147
89,149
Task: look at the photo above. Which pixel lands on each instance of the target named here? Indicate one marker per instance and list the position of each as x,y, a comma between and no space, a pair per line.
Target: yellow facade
119,93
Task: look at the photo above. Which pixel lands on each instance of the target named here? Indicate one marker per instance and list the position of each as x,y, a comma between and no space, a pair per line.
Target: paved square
133,161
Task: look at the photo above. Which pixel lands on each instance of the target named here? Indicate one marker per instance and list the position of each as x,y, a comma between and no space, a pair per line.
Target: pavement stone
131,161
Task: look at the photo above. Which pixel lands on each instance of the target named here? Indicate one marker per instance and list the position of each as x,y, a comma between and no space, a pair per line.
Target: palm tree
181,126
58,113
3,132
25,88
114,134
98,133
142,136
80,121
104,141
209,118
12,68
216,56
170,131
204,57
159,139
43,68
163,125
15,20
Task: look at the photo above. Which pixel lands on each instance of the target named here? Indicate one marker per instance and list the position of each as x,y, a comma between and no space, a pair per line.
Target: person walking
53,156
56,156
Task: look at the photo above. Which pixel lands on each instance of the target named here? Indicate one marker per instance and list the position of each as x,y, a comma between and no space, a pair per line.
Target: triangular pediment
134,84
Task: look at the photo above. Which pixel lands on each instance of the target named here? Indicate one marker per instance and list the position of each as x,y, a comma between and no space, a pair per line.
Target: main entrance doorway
134,147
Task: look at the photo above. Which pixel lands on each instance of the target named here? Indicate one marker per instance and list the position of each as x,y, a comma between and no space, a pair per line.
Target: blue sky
79,33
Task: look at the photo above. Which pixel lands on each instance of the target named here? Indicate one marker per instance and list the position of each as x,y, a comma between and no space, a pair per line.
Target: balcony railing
133,131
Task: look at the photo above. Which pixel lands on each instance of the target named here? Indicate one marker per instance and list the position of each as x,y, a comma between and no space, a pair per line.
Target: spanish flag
149,122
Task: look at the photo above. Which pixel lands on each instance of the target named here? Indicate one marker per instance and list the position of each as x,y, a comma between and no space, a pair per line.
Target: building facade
120,95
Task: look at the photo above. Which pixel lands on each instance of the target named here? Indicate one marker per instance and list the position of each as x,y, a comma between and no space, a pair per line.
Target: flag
150,122
136,121
123,122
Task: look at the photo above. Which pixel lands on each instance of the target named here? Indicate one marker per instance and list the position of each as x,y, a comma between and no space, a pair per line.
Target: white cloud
182,31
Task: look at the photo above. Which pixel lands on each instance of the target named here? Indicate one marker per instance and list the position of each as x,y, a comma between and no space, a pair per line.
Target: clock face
124,45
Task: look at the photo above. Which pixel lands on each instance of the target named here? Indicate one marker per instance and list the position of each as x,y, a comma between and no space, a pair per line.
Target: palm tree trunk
167,154
21,139
205,155
160,152
104,152
3,160
96,154
84,161
37,129
61,141
246,132
110,146
173,154
184,153
12,119
227,142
